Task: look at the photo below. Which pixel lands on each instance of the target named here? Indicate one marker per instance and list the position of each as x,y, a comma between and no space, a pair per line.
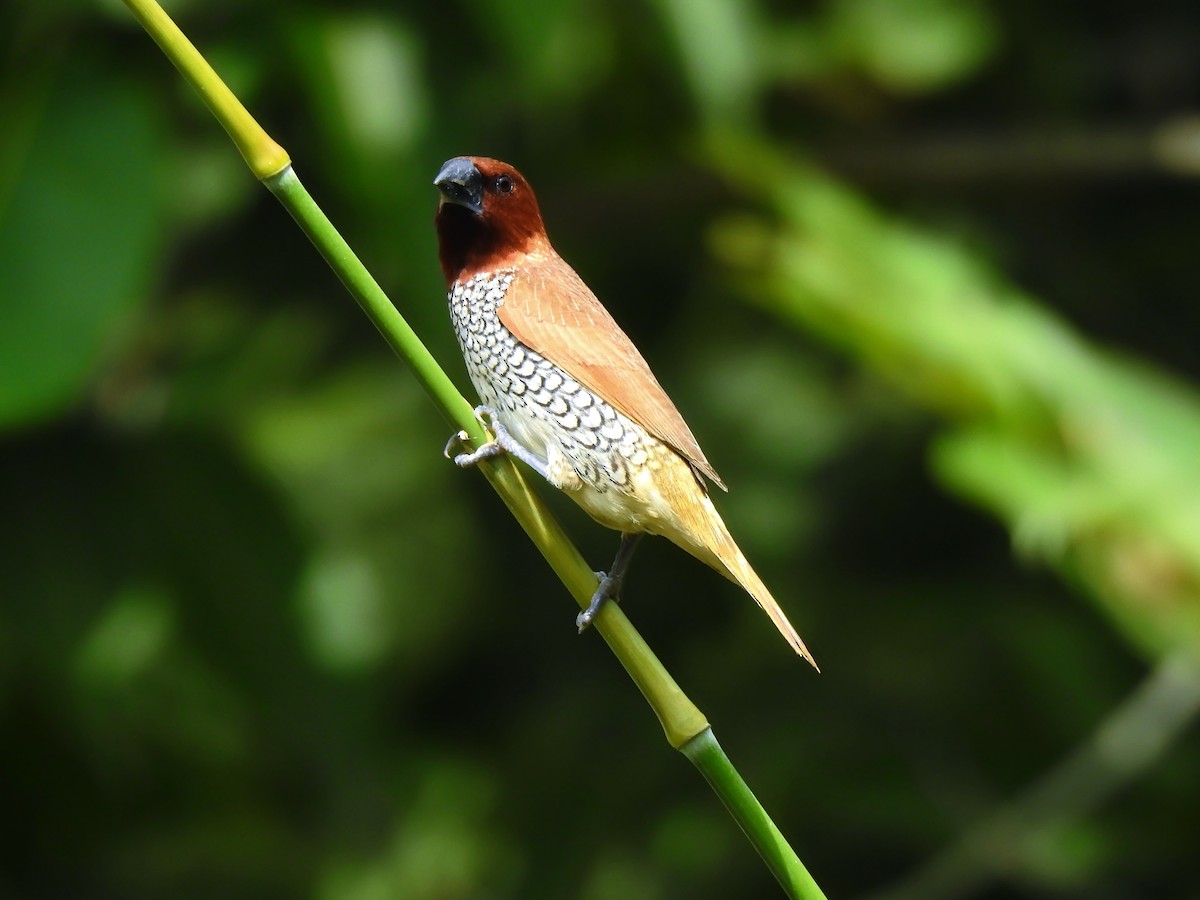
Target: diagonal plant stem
685,726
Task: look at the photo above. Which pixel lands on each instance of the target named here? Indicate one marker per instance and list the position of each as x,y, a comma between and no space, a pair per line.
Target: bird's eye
504,184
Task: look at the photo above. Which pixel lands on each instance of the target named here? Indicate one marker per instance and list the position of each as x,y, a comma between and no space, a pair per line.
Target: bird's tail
727,558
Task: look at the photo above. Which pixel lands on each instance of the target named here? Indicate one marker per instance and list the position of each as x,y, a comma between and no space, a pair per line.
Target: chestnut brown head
487,216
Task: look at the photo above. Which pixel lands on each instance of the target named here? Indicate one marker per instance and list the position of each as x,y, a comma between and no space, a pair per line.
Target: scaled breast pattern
538,402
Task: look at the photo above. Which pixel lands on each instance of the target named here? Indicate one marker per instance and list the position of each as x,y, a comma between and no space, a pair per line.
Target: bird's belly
603,460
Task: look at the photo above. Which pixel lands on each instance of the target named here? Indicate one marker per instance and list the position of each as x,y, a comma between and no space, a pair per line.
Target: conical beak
460,182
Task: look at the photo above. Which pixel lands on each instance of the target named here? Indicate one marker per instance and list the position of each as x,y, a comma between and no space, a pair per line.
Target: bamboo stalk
684,724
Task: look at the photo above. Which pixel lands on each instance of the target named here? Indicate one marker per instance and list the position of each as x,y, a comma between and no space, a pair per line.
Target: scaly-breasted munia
565,390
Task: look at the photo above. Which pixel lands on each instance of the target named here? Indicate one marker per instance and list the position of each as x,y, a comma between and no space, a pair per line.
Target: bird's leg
610,584
502,442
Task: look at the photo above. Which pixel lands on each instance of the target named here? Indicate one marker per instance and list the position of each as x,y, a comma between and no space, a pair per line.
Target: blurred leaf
617,877
364,470
1089,458
801,419
440,849
372,86
715,40
557,48
913,45
346,610
132,632
79,238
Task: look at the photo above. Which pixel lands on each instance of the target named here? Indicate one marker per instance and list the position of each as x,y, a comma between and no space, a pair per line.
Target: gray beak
460,182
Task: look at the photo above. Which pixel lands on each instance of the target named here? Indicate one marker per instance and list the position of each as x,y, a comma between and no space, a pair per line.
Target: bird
564,389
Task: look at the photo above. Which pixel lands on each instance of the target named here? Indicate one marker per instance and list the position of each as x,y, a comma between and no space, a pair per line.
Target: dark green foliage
258,639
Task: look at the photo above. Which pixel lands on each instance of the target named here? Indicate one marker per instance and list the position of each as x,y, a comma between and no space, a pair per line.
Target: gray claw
609,588
608,591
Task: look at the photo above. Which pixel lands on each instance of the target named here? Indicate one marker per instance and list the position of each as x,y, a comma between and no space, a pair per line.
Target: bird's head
487,216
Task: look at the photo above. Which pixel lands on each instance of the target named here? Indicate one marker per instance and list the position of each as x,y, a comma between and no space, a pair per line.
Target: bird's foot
608,589
486,416
610,583
502,442
466,460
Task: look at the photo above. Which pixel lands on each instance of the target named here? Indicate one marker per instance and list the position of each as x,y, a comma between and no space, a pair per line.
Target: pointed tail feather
731,562
748,579
693,523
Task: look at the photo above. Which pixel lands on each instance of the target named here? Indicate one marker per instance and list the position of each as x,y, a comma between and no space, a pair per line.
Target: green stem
684,724
262,154
708,756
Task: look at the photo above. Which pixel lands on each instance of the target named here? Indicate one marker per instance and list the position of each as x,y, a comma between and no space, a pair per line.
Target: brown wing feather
551,310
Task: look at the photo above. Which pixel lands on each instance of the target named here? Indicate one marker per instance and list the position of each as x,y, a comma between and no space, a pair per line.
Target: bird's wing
549,309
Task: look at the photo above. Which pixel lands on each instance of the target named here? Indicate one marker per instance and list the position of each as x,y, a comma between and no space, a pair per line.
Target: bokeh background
922,275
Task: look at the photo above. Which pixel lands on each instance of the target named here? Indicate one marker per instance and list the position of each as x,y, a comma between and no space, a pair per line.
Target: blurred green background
920,273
